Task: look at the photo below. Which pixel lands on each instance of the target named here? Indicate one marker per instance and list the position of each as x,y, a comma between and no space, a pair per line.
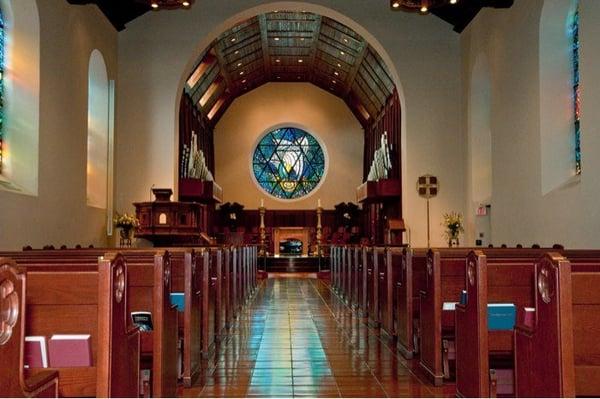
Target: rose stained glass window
288,163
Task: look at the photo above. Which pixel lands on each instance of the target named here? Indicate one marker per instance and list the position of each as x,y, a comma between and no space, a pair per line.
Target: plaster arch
292,6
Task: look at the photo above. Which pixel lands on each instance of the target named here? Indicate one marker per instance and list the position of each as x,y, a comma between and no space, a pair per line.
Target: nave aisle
298,339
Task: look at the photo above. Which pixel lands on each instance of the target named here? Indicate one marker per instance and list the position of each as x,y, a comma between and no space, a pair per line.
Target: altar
301,234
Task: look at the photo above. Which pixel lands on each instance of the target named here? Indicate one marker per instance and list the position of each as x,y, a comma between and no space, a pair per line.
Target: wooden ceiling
290,47
120,12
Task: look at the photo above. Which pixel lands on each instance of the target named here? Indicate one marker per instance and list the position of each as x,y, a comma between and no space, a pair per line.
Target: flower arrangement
126,221
453,222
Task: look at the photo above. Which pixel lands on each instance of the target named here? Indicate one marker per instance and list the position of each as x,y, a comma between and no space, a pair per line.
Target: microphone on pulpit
151,192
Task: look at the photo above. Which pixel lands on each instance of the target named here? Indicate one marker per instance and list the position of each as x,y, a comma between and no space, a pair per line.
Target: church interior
324,198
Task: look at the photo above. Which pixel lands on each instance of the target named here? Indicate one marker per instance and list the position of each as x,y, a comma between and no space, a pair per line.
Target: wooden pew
411,281
12,340
187,277
150,278
87,299
557,352
444,281
389,279
480,352
356,275
375,274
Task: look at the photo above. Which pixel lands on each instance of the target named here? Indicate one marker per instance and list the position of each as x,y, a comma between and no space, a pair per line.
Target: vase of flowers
127,223
453,222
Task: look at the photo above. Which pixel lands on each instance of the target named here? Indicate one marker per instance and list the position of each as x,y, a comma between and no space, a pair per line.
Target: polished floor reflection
296,338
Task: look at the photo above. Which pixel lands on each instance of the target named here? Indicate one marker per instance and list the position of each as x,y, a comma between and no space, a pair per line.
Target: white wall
316,111
157,52
58,214
569,214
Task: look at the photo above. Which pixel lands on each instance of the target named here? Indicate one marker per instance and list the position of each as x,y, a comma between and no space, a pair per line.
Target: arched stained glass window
1,85
576,92
288,163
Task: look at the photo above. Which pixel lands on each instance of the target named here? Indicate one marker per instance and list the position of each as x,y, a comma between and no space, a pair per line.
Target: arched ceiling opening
290,46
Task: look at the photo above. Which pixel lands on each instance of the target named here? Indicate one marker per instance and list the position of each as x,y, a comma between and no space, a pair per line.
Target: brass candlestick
262,231
319,230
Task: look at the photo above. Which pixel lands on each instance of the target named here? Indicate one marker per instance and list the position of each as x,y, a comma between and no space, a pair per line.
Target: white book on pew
36,352
449,306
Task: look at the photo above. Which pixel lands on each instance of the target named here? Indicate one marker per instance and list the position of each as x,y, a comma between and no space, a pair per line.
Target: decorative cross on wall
427,186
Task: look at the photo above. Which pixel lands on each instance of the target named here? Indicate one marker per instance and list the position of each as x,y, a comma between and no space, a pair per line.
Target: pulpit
168,223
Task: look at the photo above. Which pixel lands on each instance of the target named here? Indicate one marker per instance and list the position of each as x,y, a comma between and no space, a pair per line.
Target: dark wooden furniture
87,298
557,352
205,192
167,223
482,354
12,340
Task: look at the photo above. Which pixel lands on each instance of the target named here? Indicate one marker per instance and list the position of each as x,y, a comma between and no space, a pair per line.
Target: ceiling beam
354,70
224,72
313,48
264,37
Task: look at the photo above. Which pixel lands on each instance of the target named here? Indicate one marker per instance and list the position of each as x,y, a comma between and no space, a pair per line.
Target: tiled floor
297,338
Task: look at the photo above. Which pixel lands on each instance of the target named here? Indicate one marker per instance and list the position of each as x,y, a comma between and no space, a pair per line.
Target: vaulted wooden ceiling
289,46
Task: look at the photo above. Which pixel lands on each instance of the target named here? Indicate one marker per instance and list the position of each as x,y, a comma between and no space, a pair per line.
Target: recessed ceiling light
278,77
396,4
301,60
276,39
333,81
342,53
336,73
301,39
277,60
239,64
299,77
185,4
345,40
154,5
244,81
424,9
339,65
233,39
236,52
241,72
453,1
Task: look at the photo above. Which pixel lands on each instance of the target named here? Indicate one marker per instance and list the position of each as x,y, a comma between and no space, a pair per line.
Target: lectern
168,223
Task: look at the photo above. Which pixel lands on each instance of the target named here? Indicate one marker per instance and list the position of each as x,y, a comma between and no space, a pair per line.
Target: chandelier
167,4
421,6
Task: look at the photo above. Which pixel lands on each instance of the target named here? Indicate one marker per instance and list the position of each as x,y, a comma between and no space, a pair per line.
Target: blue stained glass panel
288,163
576,90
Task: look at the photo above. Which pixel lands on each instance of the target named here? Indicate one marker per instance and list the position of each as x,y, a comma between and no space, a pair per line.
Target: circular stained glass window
288,163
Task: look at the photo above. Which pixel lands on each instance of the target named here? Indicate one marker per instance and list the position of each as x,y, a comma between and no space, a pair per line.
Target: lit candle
319,203
262,202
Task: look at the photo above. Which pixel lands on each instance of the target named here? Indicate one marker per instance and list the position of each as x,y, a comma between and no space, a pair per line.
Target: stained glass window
576,92
288,163
1,85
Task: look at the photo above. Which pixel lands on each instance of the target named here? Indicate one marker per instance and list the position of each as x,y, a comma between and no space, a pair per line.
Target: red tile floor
297,338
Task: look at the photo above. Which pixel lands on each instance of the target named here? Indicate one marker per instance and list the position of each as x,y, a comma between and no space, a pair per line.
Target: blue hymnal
178,298
501,316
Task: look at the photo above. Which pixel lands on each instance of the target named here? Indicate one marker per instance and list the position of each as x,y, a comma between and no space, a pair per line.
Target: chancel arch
285,46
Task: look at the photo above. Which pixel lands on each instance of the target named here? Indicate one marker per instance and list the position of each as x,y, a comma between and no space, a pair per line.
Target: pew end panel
544,358
471,337
13,381
165,334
